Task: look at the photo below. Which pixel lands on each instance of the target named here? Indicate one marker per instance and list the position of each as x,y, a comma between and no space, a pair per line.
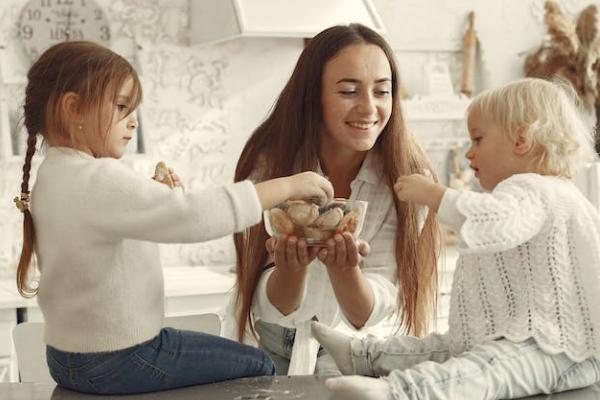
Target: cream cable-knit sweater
101,286
529,266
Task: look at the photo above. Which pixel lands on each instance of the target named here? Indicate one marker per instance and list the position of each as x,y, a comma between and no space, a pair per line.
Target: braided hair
94,74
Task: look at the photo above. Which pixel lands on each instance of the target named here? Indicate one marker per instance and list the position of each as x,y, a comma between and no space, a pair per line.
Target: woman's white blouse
379,269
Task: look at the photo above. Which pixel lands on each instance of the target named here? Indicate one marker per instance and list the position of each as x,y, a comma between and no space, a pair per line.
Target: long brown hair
95,74
287,142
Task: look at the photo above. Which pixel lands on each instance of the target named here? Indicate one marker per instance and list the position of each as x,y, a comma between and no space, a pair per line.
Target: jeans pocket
58,372
130,374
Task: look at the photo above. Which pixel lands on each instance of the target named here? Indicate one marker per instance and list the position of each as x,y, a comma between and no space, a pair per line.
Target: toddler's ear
523,142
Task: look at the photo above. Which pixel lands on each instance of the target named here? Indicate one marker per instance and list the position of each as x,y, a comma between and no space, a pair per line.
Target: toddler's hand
413,188
310,185
419,189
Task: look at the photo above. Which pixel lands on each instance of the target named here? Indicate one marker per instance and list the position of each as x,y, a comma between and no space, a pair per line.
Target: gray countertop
264,388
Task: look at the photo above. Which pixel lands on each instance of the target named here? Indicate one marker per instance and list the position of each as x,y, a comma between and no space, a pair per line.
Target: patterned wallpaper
201,103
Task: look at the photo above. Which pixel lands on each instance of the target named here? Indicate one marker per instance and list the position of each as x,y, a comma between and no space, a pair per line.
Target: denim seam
487,365
144,363
412,354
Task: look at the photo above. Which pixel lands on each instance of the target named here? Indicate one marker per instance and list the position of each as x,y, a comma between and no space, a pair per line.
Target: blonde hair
549,113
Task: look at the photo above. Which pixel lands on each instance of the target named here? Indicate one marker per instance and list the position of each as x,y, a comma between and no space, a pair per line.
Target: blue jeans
174,358
423,368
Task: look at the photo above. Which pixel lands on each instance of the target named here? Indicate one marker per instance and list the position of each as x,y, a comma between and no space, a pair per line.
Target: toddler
524,315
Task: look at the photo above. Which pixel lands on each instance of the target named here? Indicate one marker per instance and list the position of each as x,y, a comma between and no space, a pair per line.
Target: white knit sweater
101,285
529,266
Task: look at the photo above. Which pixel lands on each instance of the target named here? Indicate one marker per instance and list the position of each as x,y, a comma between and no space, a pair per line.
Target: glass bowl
316,224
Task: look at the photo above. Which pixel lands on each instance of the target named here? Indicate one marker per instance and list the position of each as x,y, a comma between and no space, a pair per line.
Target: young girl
339,114
524,313
101,284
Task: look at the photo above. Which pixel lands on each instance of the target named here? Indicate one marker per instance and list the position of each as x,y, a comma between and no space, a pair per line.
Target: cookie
280,222
162,175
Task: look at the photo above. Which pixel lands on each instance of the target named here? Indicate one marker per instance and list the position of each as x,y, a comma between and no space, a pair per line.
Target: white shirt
101,286
379,269
529,266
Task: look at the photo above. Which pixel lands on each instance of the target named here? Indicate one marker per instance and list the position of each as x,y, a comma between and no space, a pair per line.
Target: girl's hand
166,175
176,179
310,185
343,252
419,189
290,253
300,186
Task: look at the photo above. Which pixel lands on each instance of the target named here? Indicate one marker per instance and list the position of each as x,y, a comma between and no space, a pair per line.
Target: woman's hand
290,253
286,284
343,252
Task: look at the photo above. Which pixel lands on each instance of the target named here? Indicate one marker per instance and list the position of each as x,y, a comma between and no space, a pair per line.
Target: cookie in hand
162,175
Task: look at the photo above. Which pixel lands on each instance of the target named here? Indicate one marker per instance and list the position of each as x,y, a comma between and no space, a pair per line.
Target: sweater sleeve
490,222
122,204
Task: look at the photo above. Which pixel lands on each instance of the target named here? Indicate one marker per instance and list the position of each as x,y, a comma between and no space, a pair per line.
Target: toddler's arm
419,189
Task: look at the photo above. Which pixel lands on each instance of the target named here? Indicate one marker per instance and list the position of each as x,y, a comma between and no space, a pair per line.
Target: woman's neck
341,167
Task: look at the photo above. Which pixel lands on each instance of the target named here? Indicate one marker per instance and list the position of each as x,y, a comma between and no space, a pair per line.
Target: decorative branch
572,52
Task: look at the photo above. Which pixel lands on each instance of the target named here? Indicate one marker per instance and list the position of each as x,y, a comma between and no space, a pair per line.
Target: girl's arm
303,185
121,204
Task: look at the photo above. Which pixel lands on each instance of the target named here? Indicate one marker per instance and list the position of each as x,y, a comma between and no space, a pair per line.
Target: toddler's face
491,154
124,122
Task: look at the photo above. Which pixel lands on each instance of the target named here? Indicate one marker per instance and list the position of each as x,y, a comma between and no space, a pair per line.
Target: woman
339,115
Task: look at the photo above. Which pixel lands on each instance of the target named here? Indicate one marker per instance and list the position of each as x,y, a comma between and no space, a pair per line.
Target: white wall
201,103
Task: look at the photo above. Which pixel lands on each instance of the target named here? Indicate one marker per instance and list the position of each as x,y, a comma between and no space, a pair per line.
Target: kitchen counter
264,388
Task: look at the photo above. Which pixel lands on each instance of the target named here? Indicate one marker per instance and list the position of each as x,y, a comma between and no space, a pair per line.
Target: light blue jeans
423,369
174,358
278,341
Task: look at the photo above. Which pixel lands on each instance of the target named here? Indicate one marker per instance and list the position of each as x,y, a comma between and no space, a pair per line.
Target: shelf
435,108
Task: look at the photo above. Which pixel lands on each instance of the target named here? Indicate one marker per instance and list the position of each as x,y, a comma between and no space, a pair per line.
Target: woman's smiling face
356,97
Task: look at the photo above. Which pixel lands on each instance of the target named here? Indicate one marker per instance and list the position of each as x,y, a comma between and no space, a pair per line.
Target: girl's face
124,122
492,154
356,97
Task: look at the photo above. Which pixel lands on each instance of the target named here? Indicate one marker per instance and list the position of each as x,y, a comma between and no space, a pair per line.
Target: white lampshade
217,20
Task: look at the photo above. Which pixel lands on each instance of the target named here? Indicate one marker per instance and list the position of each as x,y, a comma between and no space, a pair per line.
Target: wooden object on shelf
469,50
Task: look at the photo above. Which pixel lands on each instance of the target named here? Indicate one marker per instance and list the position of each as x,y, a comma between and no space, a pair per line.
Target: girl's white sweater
96,227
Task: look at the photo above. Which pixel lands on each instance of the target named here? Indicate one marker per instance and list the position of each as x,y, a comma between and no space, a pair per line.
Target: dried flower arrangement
571,51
